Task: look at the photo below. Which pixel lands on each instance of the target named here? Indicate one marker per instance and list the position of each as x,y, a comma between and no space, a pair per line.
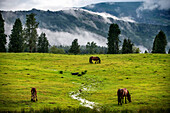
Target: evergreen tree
75,48
90,47
130,46
159,43
16,37
127,46
113,39
169,51
124,47
31,32
2,35
43,43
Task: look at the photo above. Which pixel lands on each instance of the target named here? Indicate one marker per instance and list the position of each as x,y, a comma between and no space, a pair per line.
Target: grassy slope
146,76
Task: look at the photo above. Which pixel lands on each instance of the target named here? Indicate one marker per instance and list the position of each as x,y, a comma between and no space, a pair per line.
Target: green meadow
146,76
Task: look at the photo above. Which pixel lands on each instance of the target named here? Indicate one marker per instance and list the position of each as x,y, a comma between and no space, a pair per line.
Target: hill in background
92,23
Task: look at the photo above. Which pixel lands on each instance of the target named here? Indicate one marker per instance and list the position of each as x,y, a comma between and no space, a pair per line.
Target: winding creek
86,103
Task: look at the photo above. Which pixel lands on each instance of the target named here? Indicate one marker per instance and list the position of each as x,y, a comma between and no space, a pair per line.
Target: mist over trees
2,35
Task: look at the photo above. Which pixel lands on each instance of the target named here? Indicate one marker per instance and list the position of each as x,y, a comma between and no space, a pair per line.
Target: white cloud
48,4
153,4
106,16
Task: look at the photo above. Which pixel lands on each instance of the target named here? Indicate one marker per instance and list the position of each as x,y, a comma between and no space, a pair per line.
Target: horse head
129,97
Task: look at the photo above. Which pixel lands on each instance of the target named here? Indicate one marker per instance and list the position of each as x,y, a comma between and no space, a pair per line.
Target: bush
56,50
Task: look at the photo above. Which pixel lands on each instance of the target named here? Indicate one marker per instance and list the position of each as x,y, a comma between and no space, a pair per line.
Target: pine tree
31,32
127,46
90,47
16,38
43,43
124,47
75,48
113,39
2,35
130,46
159,43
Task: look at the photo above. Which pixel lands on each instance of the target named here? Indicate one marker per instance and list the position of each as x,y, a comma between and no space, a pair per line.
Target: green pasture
146,76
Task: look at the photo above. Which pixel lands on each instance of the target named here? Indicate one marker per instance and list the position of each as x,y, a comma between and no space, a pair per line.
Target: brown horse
96,59
34,95
121,93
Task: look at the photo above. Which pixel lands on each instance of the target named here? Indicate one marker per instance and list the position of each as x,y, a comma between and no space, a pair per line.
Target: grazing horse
96,59
34,95
121,93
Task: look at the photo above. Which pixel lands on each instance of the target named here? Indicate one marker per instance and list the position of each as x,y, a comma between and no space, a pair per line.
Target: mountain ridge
63,26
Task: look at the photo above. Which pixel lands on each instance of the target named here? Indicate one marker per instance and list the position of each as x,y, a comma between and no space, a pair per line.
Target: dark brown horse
96,59
121,93
34,95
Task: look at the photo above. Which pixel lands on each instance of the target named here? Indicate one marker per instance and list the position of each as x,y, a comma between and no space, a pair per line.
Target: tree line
24,39
27,40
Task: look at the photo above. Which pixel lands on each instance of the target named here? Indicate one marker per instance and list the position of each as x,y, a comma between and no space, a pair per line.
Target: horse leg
119,100
31,98
36,98
125,100
122,99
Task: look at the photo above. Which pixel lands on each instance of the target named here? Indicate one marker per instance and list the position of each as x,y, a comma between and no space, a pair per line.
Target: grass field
146,76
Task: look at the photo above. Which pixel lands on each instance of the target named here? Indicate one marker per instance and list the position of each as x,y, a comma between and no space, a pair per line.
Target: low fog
66,38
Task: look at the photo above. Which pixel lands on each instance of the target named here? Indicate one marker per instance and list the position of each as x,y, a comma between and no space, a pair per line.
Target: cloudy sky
48,4
55,5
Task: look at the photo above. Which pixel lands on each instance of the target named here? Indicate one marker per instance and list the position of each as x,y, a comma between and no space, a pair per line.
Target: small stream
83,102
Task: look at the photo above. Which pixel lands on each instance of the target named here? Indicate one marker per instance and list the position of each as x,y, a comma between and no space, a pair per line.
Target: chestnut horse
96,59
34,95
121,93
